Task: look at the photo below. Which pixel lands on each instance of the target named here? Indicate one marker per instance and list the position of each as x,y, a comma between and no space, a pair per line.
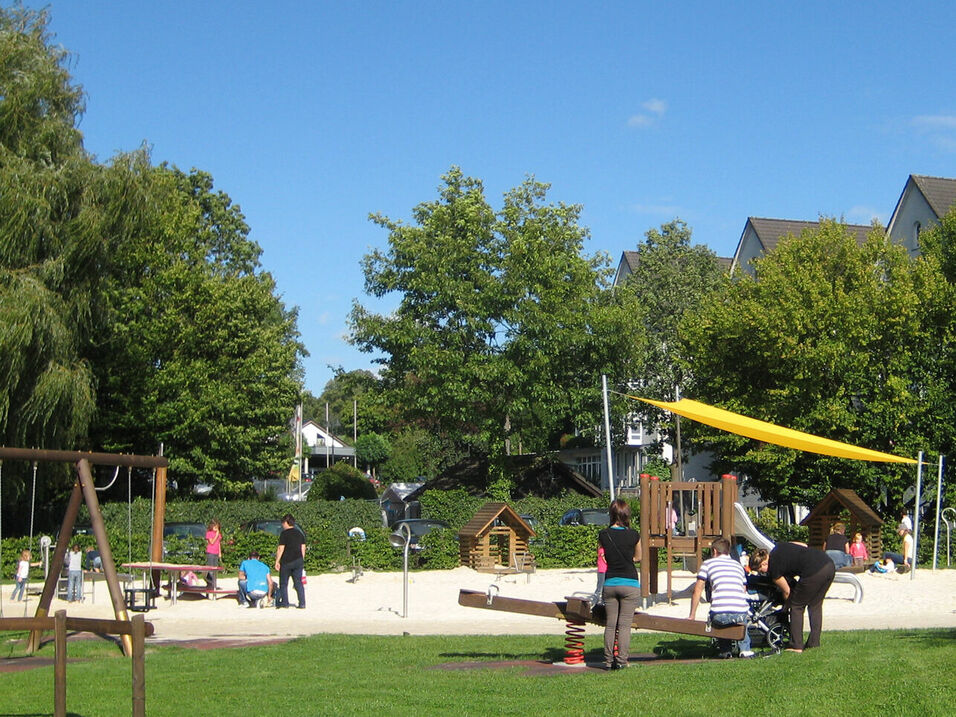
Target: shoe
300,607
621,666
793,649
724,655
747,654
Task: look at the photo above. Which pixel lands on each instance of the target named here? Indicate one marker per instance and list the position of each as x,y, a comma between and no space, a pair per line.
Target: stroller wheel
778,635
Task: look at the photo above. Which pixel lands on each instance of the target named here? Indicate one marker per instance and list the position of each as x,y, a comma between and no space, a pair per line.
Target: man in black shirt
290,561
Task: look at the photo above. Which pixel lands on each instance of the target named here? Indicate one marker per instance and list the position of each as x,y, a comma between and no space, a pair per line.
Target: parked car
417,528
184,542
296,494
585,516
273,527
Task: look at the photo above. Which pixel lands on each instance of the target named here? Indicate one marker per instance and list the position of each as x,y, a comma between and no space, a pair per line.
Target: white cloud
860,214
654,111
935,122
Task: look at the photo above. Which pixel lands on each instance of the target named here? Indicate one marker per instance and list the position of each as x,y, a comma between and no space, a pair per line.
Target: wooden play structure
85,491
843,505
495,540
137,630
713,517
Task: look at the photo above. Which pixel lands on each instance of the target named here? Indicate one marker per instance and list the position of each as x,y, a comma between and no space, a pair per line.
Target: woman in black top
622,587
813,571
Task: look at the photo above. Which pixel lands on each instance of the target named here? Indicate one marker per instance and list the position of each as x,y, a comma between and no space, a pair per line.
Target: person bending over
810,572
255,580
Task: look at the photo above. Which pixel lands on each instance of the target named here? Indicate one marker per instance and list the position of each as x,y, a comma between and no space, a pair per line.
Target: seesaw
577,612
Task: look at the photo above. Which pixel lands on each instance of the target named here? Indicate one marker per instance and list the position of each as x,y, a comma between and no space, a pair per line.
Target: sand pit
373,605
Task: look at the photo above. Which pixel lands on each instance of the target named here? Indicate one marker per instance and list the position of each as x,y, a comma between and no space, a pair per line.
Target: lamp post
398,540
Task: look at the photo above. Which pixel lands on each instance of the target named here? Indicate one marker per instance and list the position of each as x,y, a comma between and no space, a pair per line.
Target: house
924,201
761,236
321,448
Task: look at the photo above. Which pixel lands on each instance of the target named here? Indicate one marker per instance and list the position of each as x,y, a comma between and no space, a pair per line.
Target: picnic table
175,571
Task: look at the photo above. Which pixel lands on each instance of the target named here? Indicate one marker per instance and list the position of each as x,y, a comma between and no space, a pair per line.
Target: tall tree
671,280
200,353
49,250
347,393
502,329
828,339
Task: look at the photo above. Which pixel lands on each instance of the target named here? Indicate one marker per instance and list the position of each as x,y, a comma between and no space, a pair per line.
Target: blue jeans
19,589
249,596
728,619
839,558
74,585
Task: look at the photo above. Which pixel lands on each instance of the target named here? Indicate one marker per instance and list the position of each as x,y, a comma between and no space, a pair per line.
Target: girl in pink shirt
213,550
858,550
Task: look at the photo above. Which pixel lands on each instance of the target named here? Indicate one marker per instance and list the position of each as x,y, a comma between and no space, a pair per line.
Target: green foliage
830,339
341,480
372,449
502,328
346,393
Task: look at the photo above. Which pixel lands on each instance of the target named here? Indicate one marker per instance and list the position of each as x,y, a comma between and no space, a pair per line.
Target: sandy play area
373,603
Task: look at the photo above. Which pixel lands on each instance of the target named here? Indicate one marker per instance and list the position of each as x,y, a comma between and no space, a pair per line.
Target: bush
341,480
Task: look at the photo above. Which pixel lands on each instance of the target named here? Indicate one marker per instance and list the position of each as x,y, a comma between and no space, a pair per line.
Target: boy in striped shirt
728,601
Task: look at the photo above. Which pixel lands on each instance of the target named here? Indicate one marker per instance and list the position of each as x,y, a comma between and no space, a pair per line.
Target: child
858,550
23,573
213,550
602,573
74,584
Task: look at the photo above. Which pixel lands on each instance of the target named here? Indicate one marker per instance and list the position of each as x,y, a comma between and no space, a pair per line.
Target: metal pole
680,466
607,436
408,542
919,486
939,497
354,432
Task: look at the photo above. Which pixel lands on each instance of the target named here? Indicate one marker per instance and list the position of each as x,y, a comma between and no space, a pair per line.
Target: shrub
341,480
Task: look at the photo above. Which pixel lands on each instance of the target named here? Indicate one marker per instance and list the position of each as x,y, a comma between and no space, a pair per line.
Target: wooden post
728,496
103,544
159,520
56,564
59,664
139,666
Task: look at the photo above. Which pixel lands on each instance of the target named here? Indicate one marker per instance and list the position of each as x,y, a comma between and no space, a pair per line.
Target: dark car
184,542
273,527
417,527
585,516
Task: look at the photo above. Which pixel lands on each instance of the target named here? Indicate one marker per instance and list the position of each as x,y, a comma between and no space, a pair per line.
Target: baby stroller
767,622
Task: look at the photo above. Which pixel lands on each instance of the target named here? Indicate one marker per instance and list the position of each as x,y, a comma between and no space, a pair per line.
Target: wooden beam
99,459
59,665
474,598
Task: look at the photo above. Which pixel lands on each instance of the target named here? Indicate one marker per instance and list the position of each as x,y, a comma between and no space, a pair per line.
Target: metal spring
574,643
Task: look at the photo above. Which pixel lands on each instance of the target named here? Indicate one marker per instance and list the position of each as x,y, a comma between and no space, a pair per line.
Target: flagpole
607,436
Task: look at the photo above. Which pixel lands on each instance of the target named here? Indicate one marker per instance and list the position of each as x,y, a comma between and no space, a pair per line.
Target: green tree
503,327
49,248
828,339
671,280
214,375
344,388
372,449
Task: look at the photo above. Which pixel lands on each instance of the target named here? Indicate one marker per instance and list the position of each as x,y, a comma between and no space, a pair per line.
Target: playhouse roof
486,517
848,499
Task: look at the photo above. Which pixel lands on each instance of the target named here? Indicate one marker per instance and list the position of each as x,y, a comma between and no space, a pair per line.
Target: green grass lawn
855,673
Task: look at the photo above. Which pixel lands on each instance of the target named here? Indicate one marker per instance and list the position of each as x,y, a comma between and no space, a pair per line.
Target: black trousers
807,595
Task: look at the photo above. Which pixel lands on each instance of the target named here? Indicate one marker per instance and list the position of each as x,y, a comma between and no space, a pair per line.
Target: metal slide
744,527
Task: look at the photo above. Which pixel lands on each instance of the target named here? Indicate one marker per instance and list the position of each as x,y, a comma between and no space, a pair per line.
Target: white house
320,448
924,201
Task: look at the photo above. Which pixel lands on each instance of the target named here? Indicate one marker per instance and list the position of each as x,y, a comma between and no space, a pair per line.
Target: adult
74,584
904,559
213,550
838,547
803,575
255,580
622,586
290,561
728,600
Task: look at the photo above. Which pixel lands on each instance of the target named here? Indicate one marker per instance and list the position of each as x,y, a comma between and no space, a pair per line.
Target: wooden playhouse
496,538
843,505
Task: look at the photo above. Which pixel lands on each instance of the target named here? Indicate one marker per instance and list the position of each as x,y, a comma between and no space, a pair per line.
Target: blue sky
311,115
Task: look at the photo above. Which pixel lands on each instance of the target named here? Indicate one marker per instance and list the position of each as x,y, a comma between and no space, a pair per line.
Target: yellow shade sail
769,432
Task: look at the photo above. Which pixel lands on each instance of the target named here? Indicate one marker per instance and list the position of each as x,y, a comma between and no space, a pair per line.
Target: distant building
320,448
924,201
761,236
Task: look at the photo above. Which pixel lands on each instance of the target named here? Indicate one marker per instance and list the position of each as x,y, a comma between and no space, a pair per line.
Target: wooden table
175,571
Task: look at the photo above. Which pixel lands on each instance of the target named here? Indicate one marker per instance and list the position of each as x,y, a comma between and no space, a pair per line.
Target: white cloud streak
655,109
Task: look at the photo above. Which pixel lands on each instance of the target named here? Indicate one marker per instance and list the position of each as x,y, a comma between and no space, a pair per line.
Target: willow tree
49,247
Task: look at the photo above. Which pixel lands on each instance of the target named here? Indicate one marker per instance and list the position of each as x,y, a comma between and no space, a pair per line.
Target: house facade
924,201
320,448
